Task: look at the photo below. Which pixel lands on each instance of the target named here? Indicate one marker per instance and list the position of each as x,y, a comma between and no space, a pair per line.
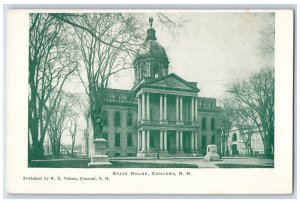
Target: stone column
139,108
148,107
192,141
148,141
161,140
143,107
143,140
196,110
177,141
165,107
177,109
180,116
165,140
161,107
192,110
138,141
180,141
196,141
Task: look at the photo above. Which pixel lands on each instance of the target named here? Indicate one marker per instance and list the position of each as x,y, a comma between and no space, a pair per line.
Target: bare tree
102,61
84,103
51,62
59,120
226,121
245,126
73,129
107,42
254,99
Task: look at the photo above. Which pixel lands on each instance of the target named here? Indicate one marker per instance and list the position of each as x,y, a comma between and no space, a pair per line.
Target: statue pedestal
99,158
212,154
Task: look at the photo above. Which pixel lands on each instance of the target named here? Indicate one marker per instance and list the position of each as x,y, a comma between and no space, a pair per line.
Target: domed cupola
151,60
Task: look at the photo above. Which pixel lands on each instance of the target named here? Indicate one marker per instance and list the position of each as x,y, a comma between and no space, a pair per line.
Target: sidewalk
163,162
192,162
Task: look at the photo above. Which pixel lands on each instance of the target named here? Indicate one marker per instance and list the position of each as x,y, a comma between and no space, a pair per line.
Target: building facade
162,115
236,143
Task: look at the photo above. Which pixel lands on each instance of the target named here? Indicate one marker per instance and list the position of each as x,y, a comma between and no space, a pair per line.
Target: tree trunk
38,150
267,146
56,149
73,144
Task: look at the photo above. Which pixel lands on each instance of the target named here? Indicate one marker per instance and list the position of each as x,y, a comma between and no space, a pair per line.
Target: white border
203,181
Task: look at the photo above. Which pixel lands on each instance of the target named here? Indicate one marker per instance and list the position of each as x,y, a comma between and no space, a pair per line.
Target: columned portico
167,105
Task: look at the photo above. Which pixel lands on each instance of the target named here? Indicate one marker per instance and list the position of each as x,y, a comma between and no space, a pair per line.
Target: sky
213,49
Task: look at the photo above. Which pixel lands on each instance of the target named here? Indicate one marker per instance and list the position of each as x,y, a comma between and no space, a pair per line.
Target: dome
151,60
152,49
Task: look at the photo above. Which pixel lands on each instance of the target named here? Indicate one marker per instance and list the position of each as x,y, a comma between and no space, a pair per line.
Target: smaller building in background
239,144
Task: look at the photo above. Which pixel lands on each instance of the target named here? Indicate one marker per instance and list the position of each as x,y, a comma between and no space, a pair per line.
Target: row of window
118,139
117,119
152,138
146,71
119,98
207,104
212,124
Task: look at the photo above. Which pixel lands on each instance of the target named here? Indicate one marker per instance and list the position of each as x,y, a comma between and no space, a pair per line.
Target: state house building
162,113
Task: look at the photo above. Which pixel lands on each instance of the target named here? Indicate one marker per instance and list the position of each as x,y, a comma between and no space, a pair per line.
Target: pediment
173,81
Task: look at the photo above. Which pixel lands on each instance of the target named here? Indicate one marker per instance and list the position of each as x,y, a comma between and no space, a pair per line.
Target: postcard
150,101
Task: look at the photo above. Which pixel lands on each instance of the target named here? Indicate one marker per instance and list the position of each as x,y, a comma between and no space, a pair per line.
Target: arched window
155,70
234,137
117,119
203,124
143,70
105,118
212,124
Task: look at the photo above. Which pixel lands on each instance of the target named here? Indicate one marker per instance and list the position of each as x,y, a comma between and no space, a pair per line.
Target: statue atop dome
151,31
151,21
